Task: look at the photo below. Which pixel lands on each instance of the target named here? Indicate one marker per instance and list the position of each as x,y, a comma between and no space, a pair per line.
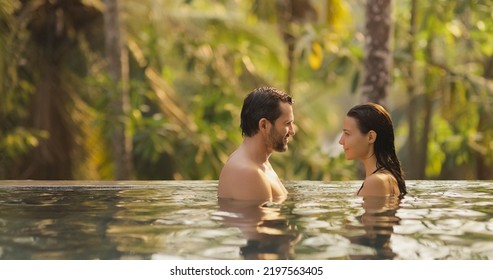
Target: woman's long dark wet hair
371,116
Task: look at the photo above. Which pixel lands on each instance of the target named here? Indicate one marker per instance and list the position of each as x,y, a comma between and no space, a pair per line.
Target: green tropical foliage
453,61
192,62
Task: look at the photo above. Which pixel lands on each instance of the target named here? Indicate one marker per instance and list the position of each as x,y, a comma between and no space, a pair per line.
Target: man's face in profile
283,128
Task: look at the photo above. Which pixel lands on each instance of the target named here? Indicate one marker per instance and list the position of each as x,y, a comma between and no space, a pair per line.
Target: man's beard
278,141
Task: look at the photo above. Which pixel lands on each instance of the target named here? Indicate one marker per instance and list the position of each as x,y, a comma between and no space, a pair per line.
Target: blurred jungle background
152,89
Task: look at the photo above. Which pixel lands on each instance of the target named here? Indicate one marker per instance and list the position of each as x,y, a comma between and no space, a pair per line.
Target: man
266,124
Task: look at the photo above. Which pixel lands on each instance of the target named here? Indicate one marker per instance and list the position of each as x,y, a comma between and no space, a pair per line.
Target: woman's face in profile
356,145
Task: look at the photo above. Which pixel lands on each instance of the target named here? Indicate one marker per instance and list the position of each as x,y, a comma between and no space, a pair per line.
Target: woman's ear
372,136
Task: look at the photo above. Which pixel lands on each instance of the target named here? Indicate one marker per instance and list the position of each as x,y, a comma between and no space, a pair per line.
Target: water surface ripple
185,220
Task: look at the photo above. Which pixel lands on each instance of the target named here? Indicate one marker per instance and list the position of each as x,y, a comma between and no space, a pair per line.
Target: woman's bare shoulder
377,184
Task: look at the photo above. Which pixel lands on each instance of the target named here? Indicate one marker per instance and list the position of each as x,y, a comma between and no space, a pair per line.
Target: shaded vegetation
190,63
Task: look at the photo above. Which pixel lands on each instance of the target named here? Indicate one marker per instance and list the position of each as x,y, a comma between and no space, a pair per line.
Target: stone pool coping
119,184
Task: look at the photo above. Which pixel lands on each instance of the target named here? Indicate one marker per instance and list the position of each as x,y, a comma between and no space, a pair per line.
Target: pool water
184,220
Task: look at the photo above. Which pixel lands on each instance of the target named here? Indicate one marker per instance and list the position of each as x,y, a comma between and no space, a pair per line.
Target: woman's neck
370,164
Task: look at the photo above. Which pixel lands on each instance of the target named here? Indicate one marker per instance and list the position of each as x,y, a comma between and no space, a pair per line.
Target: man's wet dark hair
261,103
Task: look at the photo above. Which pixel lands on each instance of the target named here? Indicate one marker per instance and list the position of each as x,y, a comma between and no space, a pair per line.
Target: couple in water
267,124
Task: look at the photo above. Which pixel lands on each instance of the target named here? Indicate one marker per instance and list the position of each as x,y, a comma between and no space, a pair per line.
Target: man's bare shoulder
243,180
239,161
239,165
238,169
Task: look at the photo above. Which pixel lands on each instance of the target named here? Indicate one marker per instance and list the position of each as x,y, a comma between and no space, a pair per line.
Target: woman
368,135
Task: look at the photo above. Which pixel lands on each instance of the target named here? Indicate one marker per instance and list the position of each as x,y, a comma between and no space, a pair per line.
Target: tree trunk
422,153
121,143
49,112
412,162
285,20
378,57
291,12
484,170
423,136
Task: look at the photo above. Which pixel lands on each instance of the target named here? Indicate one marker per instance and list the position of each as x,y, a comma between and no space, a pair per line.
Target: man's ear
372,136
263,124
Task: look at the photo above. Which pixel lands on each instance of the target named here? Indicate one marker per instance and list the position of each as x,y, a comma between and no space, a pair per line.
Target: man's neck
256,149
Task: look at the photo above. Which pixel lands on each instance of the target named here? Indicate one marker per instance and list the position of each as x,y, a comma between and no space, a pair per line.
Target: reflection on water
267,232
185,220
378,223
56,225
